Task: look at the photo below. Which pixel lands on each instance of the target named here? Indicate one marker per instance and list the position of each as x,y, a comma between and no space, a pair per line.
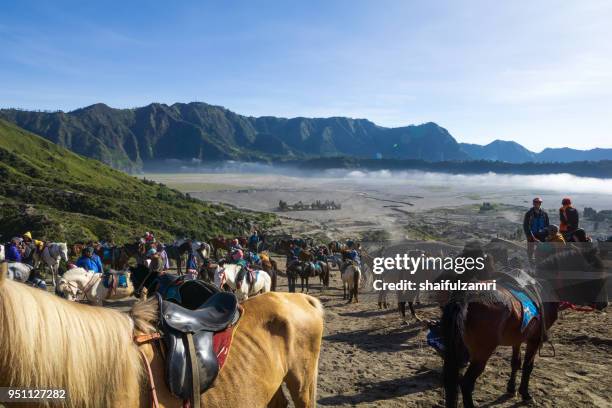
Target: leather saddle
191,363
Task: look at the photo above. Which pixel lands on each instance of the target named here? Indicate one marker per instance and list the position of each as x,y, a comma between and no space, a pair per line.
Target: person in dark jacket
535,226
569,219
13,253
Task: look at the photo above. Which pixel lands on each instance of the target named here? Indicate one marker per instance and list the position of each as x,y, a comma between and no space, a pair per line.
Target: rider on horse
569,222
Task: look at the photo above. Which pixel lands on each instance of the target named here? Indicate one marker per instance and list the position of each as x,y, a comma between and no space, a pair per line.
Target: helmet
237,255
151,252
537,200
28,235
566,201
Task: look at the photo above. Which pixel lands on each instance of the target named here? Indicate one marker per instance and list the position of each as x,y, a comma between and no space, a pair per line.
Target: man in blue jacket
535,226
90,261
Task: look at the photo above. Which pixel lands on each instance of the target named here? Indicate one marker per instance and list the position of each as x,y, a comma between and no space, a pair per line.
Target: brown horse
89,352
218,243
474,324
269,265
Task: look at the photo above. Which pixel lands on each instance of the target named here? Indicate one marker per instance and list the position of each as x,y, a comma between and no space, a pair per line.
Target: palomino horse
270,266
351,279
235,277
80,284
475,323
274,327
51,256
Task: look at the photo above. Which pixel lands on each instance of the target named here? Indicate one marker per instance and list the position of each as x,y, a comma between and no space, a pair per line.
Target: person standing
535,226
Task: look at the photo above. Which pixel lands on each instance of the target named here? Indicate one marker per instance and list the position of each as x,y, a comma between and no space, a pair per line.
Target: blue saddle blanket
530,310
108,279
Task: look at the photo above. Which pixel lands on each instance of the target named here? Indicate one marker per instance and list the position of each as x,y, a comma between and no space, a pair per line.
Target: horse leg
515,363
477,366
413,312
279,400
343,290
401,306
530,352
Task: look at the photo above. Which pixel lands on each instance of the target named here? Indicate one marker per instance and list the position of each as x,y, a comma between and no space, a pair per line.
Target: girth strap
195,373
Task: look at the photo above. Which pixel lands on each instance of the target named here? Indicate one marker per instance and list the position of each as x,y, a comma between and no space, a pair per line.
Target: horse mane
83,349
144,314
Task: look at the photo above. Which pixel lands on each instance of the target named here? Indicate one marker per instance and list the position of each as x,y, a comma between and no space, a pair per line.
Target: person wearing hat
568,219
90,262
27,241
157,264
535,226
13,253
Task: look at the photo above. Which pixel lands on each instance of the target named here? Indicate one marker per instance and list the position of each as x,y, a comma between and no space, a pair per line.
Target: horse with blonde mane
89,351
79,284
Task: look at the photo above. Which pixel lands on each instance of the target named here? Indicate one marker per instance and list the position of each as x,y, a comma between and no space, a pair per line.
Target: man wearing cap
535,226
90,261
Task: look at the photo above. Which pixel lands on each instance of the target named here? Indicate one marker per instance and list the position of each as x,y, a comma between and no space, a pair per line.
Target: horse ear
3,271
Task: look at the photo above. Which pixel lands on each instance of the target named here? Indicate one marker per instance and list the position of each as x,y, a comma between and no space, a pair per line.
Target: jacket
13,254
90,264
535,223
568,219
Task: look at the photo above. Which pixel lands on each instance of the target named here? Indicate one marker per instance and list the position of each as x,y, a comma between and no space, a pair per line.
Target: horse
177,251
51,256
294,269
270,266
308,270
236,277
218,243
115,257
116,375
476,323
324,274
351,278
2,256
79,284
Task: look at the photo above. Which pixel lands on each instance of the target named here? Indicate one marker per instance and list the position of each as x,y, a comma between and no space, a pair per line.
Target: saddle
250,276
188,336
528,291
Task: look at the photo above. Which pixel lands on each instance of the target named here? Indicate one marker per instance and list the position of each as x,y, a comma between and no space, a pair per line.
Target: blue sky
539,73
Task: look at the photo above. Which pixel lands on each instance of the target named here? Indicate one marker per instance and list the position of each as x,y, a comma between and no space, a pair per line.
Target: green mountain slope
59,195
127,139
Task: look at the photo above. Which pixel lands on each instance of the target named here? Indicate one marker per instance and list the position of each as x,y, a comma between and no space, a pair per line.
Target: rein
83,292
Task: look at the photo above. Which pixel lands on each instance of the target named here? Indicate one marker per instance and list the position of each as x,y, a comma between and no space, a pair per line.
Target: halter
83,292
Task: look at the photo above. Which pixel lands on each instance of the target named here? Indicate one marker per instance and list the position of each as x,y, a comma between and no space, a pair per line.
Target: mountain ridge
128,139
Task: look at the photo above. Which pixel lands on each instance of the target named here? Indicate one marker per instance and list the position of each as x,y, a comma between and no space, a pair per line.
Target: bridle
83,293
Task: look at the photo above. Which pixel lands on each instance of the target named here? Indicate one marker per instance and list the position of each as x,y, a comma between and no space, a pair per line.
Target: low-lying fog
421,189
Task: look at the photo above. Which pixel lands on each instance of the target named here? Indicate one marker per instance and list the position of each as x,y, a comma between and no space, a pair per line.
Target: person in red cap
535,226
568,219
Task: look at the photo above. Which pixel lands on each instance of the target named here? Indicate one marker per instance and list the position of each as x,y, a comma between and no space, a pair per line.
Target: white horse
2,253
19,272
351,279
227,275
51,256
202,251
80,284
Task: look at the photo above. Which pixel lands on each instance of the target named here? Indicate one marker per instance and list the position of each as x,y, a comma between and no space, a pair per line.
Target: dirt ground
370,359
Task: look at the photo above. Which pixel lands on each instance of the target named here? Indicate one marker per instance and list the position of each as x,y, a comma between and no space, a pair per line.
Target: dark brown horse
218,243
177,252
474,324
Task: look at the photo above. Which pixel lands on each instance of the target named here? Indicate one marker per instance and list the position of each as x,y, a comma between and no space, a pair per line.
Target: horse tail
453,318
